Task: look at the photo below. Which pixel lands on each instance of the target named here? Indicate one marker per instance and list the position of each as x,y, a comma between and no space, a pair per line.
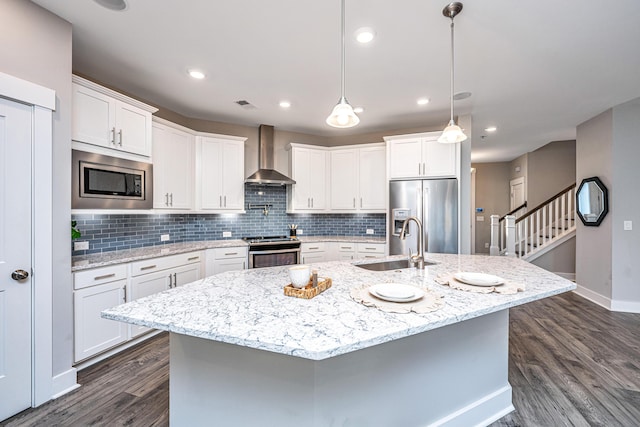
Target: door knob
19,275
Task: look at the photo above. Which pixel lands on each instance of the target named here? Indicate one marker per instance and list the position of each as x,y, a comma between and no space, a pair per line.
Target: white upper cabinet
358,179
421,156
173,168
220,172
104,118
308,166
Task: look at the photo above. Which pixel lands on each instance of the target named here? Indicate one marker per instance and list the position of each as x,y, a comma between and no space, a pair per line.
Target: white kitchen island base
455,375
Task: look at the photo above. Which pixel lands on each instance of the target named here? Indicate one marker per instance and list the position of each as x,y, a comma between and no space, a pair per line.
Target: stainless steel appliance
266,175
435,203
272,251
105,182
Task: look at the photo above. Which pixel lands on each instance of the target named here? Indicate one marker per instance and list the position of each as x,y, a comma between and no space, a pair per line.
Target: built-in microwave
106,182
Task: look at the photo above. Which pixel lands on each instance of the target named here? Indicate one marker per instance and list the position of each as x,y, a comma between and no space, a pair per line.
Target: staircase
537,231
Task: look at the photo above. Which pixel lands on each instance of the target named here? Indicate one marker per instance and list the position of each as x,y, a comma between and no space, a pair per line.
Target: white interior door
517,196
15,257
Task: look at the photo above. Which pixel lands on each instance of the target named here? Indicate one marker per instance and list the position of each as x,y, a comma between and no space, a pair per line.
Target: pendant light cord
452,69
342,70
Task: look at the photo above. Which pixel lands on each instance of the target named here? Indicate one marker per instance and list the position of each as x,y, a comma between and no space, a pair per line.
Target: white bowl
299,275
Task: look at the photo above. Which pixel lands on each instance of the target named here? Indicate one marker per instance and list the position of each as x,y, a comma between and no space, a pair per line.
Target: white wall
625,206
36,46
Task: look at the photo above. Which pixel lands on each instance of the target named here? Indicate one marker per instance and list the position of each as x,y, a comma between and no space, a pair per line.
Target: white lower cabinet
344,251
220,260
370,250
93,334
313,252
99,289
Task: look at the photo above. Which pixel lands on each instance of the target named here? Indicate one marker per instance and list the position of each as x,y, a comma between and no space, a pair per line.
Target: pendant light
342,115
452,133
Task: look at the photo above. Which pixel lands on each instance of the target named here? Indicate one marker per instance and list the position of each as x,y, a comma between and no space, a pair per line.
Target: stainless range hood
265,174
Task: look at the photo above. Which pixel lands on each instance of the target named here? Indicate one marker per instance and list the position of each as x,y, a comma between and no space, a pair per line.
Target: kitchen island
243,353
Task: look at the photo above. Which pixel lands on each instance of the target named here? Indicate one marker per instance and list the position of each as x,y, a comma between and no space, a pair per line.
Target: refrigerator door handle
425,220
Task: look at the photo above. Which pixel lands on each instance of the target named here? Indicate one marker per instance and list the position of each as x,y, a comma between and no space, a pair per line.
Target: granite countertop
248,308
85,262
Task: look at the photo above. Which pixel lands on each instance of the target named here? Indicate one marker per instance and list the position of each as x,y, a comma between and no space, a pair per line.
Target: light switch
479,218
628,225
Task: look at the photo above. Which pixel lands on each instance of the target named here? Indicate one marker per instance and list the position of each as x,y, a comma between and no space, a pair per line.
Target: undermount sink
390,265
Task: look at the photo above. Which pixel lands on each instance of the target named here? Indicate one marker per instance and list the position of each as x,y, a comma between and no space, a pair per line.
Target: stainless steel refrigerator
435,203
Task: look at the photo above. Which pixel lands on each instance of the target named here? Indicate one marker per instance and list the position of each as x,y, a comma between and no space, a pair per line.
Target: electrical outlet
164,237
370,231
628,225
486,245
300,231
80,246
226,234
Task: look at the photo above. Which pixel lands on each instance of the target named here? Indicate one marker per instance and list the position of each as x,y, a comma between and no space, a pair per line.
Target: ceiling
536,69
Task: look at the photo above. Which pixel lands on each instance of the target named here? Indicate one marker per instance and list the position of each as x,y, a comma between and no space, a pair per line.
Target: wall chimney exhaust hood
266,175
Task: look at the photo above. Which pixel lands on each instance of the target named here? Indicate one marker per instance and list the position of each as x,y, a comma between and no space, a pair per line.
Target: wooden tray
308,291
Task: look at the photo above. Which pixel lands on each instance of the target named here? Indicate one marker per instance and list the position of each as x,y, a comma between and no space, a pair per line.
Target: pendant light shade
342,115
452,133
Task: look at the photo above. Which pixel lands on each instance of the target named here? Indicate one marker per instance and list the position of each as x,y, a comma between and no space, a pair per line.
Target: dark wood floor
571,363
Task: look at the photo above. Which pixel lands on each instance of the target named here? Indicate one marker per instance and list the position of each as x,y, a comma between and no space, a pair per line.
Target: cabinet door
313,257
440,159
186,274
233,175
372,178
405,158
301,161
93,117
133,127
210,175
344,180
173,171
231,264
145,285
318,179
92,333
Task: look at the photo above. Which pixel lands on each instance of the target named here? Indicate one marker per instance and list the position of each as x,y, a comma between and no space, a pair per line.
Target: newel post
494,248
510,230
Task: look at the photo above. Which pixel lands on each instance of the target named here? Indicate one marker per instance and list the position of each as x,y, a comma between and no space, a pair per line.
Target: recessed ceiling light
423,101
196,74
491,129
358,110
365,34
285,104
113,4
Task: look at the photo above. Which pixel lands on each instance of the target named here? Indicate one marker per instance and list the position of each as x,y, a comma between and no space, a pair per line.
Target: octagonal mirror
592,201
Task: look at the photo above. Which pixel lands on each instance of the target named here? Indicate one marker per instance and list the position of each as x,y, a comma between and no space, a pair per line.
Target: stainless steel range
271,251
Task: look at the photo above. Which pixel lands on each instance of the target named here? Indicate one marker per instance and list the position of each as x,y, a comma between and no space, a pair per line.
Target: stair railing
521,236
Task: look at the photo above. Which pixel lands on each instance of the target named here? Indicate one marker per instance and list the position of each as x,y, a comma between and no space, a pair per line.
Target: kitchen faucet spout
416,260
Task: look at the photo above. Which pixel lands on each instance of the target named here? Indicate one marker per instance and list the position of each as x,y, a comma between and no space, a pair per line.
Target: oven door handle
272,251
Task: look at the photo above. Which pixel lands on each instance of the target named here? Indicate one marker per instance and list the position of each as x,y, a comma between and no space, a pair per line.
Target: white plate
479,279
396,292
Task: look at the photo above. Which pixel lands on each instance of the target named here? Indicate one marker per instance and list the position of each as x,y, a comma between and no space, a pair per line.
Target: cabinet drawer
98,276
313,247
225,253
162,263
346,247
370,248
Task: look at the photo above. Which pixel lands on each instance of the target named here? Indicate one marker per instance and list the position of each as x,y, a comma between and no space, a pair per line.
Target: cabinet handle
225,201
230,253
424,168
171,195
316,247
360,201
175,280
166,199
170,281
113,135
120,139
220,201
106,276
124,288
370,256
419,169
354,202
193,258
147,267
308,202
369,249
312,202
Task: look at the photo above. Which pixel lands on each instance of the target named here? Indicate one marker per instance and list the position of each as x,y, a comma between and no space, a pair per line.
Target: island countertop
248,308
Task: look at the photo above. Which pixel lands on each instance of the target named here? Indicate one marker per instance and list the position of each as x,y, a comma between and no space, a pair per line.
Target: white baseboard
498,404
625,306
105,355
64,383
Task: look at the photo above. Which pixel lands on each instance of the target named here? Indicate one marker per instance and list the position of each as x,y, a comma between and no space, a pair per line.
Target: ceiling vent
246,104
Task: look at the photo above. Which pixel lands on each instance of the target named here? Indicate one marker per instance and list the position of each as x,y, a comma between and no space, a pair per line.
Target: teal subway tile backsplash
112,232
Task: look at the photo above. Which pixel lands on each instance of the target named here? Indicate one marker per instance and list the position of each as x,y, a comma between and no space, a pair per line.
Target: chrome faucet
416,260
